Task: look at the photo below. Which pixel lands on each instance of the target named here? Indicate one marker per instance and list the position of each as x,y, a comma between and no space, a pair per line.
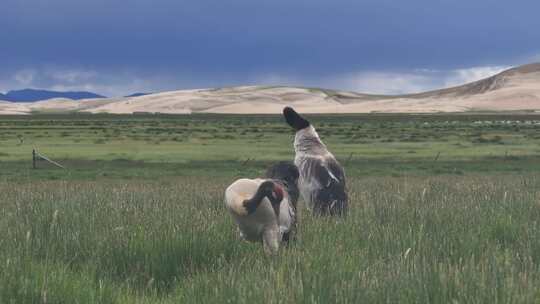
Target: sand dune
514,89
12,108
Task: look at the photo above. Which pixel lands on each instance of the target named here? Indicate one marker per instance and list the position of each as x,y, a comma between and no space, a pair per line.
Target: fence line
36,156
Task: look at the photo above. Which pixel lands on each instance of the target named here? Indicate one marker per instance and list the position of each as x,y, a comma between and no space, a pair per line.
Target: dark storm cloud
213,43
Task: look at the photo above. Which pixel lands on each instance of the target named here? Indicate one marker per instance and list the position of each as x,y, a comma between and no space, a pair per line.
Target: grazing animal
322,179
265,209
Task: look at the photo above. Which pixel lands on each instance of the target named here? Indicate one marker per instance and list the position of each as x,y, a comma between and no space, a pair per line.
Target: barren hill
514,89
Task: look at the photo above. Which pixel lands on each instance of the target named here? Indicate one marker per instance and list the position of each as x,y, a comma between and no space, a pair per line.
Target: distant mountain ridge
516,89
137,94
31,95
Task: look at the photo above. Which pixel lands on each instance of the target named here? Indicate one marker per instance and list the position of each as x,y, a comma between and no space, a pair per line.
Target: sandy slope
514,89
12,108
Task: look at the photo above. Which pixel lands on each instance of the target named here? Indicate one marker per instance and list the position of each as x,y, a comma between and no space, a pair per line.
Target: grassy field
444,208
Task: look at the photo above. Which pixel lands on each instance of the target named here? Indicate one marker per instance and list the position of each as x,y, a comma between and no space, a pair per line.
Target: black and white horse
265,209
322,178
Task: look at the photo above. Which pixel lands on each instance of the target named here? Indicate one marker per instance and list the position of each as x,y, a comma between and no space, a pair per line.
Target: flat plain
444,208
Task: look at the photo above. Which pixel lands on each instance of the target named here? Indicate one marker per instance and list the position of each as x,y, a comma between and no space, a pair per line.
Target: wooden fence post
33,158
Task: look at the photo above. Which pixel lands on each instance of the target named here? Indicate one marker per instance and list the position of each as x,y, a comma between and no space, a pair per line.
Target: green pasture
445,208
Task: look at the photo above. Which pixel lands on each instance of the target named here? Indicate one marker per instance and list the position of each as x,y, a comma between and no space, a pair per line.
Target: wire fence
36,156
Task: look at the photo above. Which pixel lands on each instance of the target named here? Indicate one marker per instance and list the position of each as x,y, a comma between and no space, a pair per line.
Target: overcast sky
117,47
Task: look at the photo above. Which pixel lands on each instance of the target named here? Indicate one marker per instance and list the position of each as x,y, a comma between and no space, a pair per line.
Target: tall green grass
462,239
444,208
